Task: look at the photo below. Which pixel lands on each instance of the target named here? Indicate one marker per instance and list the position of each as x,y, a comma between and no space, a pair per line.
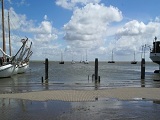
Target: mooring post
99,79
143,68
42,79
96,69
46,69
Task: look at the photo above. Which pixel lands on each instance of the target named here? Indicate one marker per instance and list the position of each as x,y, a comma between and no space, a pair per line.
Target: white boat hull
10,69
7,70
22,68
15,70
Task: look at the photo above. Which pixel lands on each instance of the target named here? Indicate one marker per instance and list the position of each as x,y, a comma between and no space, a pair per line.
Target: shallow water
79,76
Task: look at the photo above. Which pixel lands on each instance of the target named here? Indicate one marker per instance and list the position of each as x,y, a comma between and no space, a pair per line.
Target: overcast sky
76,26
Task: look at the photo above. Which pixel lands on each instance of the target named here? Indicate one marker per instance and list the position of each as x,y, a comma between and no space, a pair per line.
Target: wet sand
106,104
88,95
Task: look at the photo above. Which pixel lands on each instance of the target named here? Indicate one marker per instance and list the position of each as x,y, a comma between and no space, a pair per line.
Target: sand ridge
88,95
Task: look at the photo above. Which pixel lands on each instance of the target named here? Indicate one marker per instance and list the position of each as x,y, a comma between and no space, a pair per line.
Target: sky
79,27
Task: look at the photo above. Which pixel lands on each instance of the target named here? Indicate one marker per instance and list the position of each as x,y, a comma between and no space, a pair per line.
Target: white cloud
17,21
45,32
134,34
89,25
132,28
71,4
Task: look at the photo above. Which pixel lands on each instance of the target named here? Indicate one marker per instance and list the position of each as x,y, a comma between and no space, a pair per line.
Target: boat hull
23,68
111,61
7,70
155,57
62,62
134,62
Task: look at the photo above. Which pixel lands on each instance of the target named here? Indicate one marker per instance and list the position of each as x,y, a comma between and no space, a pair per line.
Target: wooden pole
143,68
46,69
96,69
42,79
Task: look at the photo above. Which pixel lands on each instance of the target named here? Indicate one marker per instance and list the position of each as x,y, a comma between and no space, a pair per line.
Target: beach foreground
88,95
104,104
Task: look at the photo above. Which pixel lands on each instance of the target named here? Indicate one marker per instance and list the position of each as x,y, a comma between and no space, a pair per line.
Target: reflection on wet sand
156,101
142,83
58,110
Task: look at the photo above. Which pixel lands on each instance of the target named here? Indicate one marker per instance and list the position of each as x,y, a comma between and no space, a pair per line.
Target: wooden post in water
42,79
143,68
96,69
46,69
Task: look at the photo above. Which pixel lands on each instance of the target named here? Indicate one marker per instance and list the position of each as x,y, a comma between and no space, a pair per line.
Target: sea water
79,76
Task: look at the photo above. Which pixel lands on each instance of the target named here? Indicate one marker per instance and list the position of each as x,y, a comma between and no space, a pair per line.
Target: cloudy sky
76,26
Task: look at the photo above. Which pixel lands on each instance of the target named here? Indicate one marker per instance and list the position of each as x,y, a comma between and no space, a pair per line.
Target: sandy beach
88,95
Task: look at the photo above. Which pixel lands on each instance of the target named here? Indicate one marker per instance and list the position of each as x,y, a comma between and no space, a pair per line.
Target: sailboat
72,62
86,62
134,61
6,68
81,59
112,59
61,62
8,64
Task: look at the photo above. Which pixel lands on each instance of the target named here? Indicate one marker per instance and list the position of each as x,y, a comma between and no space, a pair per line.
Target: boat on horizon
61,62
72,62
112,61
134,60
86,61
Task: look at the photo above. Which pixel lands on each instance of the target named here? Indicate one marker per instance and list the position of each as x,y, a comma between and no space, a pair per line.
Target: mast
86,55
134,56
61,56
112,55
9,35
3,31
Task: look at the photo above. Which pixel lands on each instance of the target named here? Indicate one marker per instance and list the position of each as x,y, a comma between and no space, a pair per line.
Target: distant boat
112,61
61,62
86,62
134,61
81,59
72,62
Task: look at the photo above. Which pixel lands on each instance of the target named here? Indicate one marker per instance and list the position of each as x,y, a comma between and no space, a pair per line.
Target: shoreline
88,95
